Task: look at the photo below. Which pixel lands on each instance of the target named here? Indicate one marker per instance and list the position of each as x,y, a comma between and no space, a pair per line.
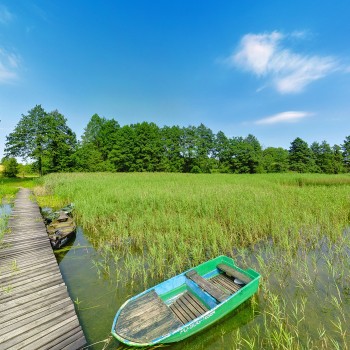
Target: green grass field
289,227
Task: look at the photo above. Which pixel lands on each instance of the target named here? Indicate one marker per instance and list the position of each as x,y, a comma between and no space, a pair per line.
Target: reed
289,227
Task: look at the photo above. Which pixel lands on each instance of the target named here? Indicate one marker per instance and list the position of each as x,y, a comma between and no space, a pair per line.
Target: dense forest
46,140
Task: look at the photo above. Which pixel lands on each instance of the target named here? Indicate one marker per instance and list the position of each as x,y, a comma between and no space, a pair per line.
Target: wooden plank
189,316
208,287
220,284
230,271
18,331
226,282
68,332
29,317
178,314
186,307
67,338
76,344
24,260
142,324
195,303
191,305
30,287
40,248
23,310
8,305
183,315
21,272
198,302
22,275
48,330
33,278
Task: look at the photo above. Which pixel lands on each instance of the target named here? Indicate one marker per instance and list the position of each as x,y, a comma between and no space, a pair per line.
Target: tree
122,155
300,157
171,158
197,146
147,147
346,152
316,154
222,151
101,133
61,145
188,147
275,160
29,137
324,157
205,148
43,137
92,130
10,167
246,155
25,169
338,159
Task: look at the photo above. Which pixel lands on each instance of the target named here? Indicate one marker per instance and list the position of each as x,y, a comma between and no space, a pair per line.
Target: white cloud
5,15
9,65
256,51
284,117
287,71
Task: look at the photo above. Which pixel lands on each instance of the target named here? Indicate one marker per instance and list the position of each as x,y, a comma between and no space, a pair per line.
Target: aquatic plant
289,227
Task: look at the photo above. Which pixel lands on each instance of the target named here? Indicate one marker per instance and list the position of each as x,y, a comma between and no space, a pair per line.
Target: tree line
45,139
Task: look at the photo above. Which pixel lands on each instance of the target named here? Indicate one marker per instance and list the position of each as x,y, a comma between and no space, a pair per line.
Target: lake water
310,295
5,210
97,298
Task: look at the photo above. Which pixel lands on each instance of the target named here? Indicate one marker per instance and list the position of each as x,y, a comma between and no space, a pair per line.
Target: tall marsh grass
289,227
185,218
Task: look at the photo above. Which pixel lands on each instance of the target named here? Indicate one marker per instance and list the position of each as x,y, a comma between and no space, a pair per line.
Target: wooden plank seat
187,307
207,286
146,318
230,271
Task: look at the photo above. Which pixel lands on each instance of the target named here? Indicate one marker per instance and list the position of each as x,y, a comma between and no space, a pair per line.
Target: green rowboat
185,304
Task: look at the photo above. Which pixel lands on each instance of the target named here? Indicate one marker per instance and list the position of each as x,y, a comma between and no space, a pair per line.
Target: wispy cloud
5,15
9,66
265,56
284,117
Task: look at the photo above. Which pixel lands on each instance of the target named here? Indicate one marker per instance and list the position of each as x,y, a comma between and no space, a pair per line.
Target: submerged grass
289,227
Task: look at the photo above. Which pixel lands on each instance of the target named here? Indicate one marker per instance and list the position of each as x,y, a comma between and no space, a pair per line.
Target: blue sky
275,69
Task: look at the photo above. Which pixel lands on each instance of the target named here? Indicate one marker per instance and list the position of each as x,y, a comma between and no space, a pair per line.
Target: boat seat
62,217
207,286
230,271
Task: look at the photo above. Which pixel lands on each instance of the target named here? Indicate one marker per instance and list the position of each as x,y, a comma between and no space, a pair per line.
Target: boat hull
60,242
169,289
60,232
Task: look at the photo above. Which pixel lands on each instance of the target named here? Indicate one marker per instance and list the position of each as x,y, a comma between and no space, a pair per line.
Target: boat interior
176,302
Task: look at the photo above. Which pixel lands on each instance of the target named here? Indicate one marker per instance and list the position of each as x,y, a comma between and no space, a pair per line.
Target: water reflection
61,253
5,210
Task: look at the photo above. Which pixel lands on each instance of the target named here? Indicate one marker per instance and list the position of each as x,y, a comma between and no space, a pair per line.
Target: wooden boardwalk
36,311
